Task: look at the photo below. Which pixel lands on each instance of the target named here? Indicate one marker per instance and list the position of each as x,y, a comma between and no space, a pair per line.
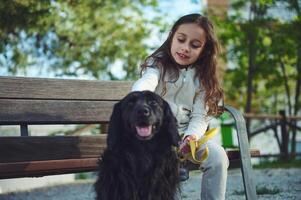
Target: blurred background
259,65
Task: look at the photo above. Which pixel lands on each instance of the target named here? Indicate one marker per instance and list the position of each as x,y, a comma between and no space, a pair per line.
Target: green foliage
84,176
267,163
268,28
73,37
21,14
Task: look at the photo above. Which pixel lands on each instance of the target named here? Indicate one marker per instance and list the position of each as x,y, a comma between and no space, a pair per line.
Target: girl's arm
148,81
198,119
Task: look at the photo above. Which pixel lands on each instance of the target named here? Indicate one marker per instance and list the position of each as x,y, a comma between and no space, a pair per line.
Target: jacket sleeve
199,119
148,81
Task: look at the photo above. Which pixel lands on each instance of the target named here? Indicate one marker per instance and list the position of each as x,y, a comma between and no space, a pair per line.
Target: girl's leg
214,173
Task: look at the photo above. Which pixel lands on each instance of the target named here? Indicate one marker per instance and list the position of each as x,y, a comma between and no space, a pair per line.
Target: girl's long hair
206,64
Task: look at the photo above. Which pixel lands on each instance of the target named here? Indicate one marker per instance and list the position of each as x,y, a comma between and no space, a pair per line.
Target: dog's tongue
144,131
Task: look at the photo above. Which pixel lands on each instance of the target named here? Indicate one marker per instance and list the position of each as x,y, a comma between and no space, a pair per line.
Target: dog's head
144,116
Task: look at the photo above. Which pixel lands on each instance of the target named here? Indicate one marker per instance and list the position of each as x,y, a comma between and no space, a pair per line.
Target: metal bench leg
246,167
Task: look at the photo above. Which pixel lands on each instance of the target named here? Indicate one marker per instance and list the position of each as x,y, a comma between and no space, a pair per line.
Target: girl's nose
185,48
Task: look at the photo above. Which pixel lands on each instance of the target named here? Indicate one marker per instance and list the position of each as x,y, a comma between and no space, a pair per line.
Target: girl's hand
184,146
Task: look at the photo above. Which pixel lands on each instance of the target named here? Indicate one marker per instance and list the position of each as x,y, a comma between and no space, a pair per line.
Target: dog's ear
170,125
114,132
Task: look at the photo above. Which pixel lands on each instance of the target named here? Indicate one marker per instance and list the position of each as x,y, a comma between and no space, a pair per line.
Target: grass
261,191
278,164
266,190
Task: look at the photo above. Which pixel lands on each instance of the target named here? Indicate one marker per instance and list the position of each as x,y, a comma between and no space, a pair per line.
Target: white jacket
185,97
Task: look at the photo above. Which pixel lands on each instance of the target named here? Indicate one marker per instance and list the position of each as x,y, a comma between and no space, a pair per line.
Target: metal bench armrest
246,167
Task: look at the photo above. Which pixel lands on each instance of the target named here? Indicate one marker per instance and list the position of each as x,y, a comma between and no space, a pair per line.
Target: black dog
140,162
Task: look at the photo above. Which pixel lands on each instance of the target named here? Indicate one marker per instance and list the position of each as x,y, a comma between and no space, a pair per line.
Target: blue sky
175,8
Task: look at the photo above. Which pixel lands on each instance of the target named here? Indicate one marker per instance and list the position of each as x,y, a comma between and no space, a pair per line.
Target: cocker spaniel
140,162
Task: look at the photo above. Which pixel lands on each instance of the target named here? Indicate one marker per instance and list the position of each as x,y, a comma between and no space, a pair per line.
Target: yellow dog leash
195,145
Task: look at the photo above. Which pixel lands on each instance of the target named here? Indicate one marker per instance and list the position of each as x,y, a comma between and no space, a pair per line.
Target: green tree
73,37
262,41
255,43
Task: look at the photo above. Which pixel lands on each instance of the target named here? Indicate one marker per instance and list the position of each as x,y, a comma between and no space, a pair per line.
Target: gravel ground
272,184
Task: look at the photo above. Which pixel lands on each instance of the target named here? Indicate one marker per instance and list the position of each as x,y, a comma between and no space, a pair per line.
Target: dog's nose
144,111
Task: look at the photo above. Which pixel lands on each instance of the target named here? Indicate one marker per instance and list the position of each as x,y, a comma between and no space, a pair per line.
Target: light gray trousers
214,168
214,176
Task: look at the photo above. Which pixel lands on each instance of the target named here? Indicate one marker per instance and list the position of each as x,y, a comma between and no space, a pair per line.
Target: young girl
183,72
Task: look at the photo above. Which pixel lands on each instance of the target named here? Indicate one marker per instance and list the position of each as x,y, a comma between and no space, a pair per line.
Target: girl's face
187,43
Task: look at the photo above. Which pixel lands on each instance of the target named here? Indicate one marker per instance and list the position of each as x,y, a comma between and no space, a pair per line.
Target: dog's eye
131,103
153,103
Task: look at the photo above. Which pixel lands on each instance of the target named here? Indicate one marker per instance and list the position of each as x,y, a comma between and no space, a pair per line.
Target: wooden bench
42,101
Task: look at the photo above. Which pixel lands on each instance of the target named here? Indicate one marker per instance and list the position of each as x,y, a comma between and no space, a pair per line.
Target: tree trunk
287,89
284,138
297,99
296,5
251,62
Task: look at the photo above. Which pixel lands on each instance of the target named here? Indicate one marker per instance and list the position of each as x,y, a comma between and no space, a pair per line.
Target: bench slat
13,149
53,167
49,167
38,148
68,89
48,155
54,111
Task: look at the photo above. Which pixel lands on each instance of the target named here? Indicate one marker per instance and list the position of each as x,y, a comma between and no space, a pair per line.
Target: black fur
134,167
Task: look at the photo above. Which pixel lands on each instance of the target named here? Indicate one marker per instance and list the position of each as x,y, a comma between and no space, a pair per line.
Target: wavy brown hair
206,64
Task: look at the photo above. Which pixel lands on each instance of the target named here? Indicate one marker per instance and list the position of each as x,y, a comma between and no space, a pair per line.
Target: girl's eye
181,40
195,46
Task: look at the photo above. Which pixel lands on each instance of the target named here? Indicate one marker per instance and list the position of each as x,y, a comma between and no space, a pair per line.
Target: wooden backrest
27,101
58,101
